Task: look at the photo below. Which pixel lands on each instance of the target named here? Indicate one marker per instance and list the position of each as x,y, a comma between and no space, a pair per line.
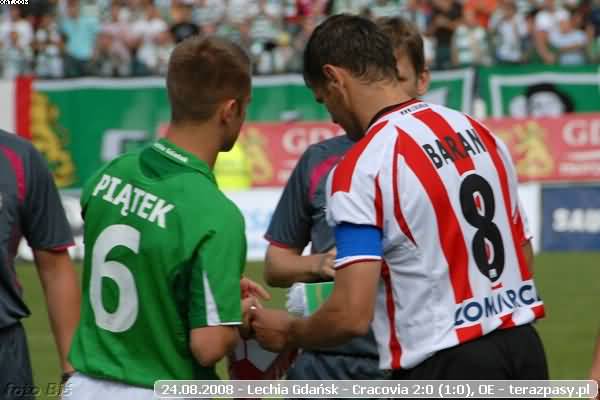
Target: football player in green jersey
165,249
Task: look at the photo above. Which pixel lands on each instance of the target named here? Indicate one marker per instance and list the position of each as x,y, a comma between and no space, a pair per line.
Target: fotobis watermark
51,390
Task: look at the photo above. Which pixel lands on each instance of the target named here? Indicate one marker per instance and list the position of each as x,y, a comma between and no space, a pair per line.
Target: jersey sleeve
357,243
88,188
45,224
291,222
215,295
354,196
354,199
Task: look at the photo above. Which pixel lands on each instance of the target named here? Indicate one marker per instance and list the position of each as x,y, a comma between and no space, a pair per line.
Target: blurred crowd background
122,38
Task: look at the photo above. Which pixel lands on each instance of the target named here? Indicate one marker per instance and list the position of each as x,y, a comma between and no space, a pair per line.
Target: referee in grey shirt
30,207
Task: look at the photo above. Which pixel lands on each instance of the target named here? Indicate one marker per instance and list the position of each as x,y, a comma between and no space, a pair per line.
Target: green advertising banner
452,89
540,91
80,124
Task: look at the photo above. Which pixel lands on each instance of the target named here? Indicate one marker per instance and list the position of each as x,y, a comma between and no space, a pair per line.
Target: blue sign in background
571,218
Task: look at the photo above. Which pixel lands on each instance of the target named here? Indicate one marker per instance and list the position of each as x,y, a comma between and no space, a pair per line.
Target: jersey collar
176,154
390,109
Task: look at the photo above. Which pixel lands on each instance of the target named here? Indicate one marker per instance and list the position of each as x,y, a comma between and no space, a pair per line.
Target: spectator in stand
509,33
16,23
290,17
348,6
547,20
80,34
135,9
16,57
594,17
48,46
209,14
118,22
183,26
265,22
111,58
269,42
429,50
528,5
157,59
239,11
384,8
483,10
240,34
299,43
594,21
445,18
470,42
143,34
36,9
415,11
570,43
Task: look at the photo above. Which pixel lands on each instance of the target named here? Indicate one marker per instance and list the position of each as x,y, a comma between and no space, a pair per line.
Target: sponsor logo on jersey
499,303
133,200
413,109
170,152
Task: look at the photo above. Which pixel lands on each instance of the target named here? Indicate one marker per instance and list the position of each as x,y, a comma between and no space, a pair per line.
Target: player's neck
374,98
200,140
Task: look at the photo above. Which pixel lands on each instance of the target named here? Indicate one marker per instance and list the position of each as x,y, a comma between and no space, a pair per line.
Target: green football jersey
164,253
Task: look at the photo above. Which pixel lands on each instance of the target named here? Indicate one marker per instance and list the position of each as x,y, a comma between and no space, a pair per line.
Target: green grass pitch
569,283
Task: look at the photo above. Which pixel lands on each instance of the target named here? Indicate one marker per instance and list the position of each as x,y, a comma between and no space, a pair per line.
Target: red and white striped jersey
443,190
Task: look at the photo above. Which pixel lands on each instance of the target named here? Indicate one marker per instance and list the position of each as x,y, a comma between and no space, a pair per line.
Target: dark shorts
330,366
16,380
515,353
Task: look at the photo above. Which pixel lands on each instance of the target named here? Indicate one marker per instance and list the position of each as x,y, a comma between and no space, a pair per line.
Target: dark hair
203,72
351,42
406,38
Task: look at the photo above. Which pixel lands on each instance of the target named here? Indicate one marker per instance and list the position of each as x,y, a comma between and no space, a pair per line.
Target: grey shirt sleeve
44,222
291,222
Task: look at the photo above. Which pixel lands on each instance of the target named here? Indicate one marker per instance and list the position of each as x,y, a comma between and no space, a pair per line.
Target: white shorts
83,387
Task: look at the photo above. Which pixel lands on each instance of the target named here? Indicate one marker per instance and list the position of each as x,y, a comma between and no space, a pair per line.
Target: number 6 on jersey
126,311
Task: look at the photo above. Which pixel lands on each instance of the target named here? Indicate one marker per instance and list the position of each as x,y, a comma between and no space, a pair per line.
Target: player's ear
333,76
423,80
228,110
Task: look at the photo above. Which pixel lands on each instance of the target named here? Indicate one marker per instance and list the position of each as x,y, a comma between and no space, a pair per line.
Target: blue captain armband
357,243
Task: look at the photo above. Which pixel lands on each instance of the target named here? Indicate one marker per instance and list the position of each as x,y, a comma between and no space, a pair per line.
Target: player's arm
346,314
210,344
48,233
215,304
289,233
61,289
348,311
285,266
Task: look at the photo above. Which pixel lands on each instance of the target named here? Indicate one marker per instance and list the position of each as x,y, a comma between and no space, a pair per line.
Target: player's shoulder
121,167
213,212
20,147
325,149
331,146
201,196
420,107
366,152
